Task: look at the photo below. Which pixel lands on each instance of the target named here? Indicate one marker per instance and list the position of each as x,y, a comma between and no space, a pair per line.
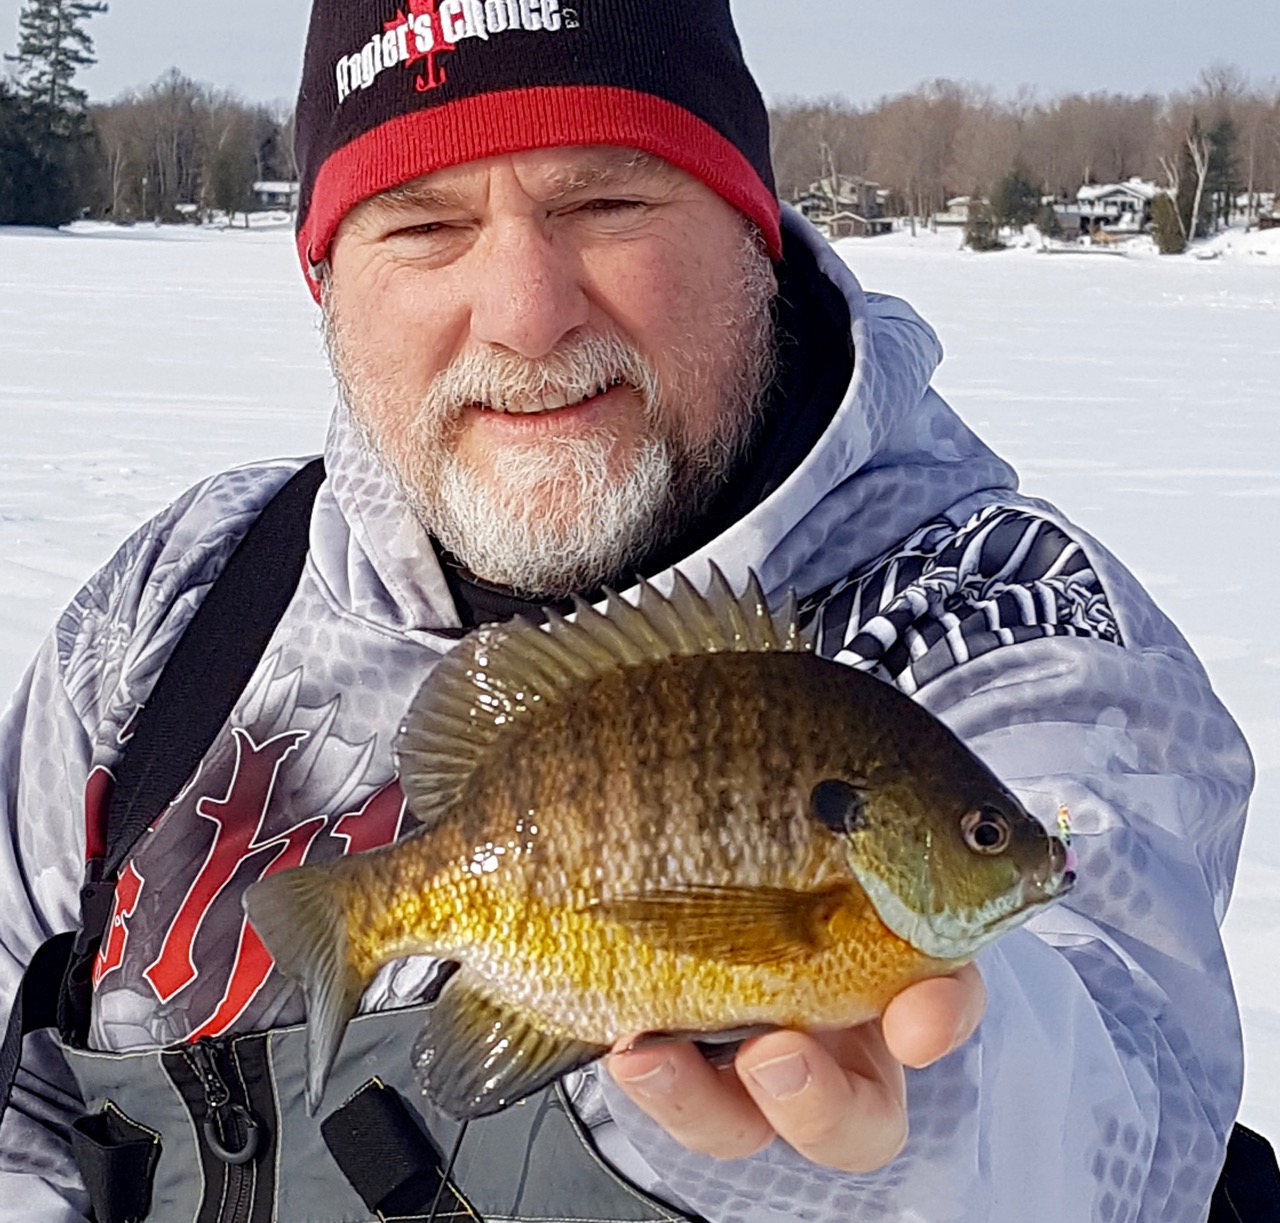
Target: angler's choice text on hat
428,29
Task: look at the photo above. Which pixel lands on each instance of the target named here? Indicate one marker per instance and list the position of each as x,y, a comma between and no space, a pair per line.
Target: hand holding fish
837,1098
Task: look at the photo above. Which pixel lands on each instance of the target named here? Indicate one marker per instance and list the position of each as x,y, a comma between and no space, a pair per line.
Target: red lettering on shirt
377,823
238,819
252,964
111,953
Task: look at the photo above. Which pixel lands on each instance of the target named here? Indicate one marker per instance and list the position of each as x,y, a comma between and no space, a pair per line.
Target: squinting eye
425,230
839,806
986,831
608,206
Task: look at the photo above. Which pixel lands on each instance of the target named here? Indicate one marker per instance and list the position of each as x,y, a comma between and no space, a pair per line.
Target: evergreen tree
981,232
1047,221
53,45
229,174
15,154
39,180
1170,237
48,146
1222,183
1016,200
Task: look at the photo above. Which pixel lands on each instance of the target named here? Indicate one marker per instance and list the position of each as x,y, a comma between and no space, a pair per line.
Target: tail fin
299,916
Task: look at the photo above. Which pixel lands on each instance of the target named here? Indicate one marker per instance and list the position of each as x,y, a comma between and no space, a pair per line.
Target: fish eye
986,831
839,806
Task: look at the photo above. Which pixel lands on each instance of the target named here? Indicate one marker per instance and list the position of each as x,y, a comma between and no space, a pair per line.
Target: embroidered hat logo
427,29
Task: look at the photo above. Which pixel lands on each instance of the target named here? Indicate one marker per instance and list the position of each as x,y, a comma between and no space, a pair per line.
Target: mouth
1057,877
553,401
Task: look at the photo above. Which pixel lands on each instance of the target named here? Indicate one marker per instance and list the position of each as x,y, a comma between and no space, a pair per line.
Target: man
576,342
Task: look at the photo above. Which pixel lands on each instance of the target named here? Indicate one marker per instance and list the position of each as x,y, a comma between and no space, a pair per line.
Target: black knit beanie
395,89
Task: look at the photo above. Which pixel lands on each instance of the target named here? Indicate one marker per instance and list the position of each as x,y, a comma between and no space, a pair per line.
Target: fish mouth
1055,878
1035,892
949,936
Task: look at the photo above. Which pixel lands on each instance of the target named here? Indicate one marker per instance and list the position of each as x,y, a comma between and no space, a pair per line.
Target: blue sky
797,47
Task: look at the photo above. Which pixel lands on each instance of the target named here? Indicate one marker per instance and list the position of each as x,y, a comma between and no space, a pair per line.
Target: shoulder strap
195,694
211,664
1249,1190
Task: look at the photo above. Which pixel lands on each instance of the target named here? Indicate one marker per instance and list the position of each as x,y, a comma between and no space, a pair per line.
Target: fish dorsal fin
503,675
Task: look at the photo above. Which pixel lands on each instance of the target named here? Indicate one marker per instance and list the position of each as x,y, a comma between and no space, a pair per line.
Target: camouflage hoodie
1110,1056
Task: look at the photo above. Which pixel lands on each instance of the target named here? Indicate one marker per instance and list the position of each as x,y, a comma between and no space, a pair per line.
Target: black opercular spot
838,805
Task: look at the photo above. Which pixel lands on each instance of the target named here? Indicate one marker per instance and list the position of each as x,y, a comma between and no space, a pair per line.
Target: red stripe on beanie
489,125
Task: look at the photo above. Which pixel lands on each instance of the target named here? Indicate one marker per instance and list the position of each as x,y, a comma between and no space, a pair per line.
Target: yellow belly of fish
597,980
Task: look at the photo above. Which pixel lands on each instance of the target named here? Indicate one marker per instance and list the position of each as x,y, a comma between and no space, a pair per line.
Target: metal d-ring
252,1134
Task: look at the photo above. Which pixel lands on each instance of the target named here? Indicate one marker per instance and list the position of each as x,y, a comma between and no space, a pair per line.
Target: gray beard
603,524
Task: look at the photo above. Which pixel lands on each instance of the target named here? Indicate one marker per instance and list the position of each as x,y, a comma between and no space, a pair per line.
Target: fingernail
656,1082
783,1077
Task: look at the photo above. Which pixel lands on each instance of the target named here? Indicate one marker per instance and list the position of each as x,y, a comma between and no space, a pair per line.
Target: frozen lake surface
1140,394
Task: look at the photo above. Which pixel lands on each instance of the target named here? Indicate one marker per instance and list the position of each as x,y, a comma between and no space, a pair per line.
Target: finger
838,1099
933,1018
702,1108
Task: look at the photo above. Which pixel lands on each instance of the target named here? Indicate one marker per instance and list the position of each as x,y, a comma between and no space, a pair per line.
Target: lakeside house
1117,208
845,206
272,195
956,213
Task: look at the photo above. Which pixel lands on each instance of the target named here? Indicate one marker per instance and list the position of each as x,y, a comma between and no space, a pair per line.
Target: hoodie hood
894,456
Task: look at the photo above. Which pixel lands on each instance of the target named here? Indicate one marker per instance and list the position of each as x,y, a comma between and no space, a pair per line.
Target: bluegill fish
665,817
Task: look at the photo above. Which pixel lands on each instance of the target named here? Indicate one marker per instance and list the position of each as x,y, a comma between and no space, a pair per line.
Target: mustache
583,366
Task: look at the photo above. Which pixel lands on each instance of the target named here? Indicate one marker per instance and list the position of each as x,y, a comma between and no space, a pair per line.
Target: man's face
559,354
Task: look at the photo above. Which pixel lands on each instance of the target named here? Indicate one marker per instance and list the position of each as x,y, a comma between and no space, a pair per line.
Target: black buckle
117,1159
97,899
389,1157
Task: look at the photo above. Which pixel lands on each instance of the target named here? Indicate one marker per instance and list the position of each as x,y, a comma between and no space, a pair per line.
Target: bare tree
914,141
180,148
228,150
811,140
1197,145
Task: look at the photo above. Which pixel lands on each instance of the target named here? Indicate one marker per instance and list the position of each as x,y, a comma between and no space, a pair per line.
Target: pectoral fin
476,1056
736,925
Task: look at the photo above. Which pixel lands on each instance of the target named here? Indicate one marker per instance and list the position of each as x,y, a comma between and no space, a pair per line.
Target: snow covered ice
1140,394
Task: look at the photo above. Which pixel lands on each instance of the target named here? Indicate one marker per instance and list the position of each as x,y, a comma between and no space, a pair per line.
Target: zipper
231,1132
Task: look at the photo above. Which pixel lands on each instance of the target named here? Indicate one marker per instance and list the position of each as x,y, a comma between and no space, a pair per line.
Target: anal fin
476,1056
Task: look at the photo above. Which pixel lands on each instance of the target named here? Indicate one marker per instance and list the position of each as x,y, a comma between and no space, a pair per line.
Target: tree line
175,150
182,149
947,139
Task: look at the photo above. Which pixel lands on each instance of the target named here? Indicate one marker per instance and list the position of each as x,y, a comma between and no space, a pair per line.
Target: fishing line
448,1171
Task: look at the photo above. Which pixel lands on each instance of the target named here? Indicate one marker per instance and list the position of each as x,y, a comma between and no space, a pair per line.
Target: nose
528,292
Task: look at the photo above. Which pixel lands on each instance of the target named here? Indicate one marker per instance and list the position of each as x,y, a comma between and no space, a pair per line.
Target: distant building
1117,208
276,195
955,214
845,207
